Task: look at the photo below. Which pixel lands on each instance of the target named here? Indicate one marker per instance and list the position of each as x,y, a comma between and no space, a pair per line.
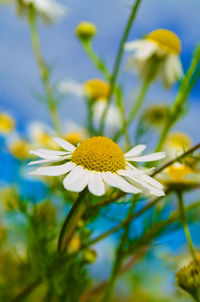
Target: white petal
52,152
44,161
137,180
96,185
136,44
145,52
115,180
77,179
64,144
135,151
55,170
44,155
152,181
149,157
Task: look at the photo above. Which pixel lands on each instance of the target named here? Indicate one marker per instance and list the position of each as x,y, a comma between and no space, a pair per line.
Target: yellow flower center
74,137
20,149
99,154
166,39
46,140
178,172
7,124
97,89
178,142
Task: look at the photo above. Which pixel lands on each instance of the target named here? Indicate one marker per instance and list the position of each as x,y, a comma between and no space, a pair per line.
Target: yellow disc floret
97,89
7,124
99,154
166,39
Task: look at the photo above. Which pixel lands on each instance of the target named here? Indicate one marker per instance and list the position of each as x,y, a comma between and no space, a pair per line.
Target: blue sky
19,79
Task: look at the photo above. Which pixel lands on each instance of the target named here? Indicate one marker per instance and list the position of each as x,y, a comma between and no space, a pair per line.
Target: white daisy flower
182,175
49,10
161,47
96,162
97,90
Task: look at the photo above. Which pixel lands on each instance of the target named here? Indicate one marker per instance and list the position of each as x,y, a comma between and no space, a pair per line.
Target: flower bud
86,31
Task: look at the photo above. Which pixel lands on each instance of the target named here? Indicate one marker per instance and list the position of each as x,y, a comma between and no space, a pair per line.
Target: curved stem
96,60
43,70
118,61
71,221
185,226
139,101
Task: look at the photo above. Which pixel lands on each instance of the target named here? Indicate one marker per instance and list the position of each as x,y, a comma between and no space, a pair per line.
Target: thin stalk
43,70
75,211
119,257
96,60
118,61
139,101
186,227
116,90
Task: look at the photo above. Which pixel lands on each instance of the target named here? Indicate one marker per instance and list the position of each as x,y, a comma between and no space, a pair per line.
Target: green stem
119,257
74,212
96,60
139,101
118,61
117,92
89,121
185,226
43,70
183,93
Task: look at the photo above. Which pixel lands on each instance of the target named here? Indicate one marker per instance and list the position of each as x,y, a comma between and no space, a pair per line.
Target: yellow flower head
20,149
86,31
177,142
7,124
178,171
166,40
99,154
188,278
97,89
74,138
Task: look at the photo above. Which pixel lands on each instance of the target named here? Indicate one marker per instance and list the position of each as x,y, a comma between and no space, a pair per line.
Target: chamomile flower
98,92
183,175
157,56
49,10
96,162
